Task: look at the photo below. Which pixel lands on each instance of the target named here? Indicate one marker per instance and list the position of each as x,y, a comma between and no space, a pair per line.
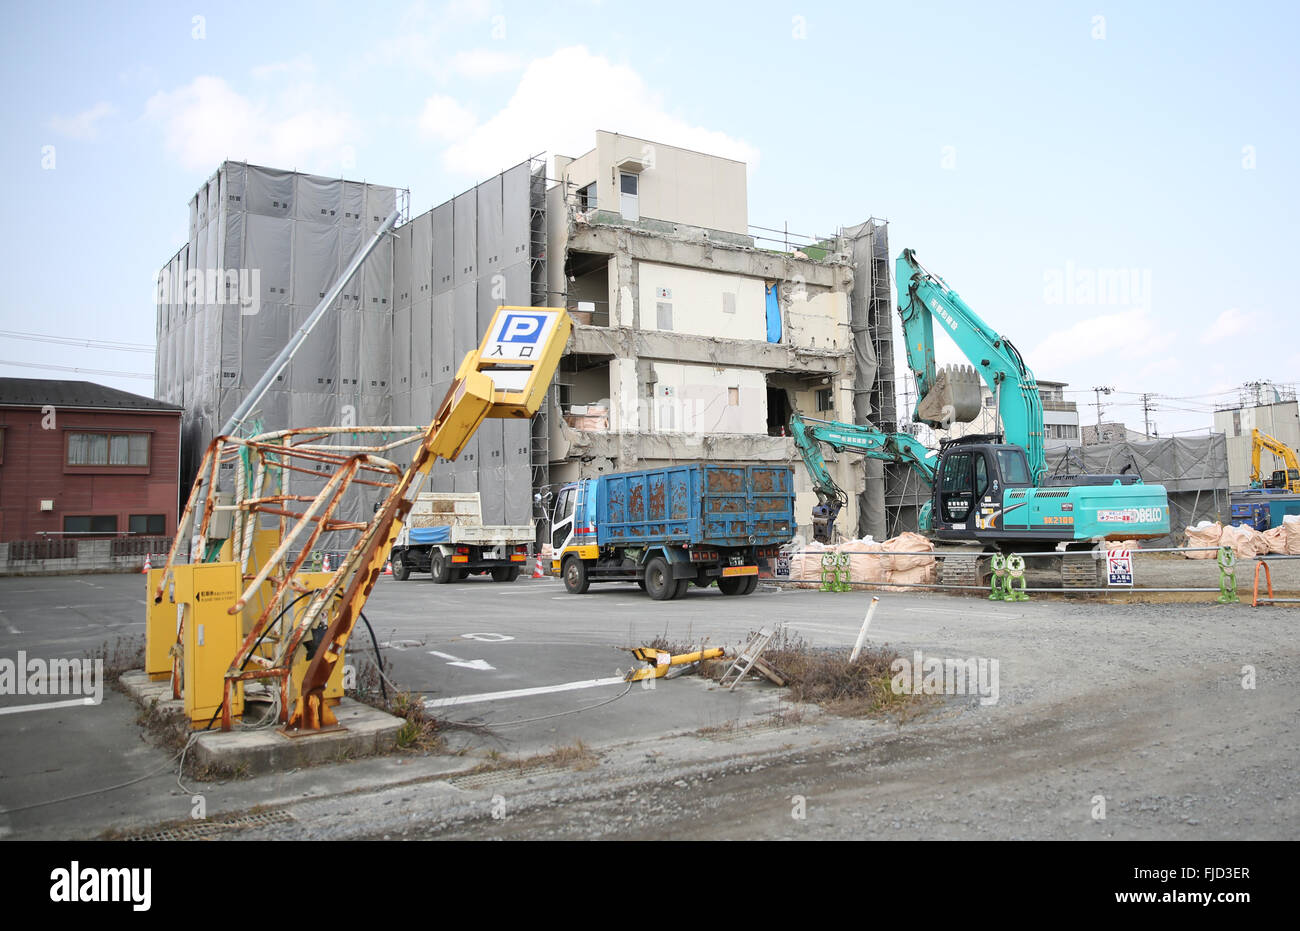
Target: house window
108,449
733,397
95,523
154,525
587,197
824,399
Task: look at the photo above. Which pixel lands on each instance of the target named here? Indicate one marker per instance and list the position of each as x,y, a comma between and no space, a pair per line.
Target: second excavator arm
809,435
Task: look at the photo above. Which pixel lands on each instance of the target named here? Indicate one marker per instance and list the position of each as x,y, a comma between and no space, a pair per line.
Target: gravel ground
1141,708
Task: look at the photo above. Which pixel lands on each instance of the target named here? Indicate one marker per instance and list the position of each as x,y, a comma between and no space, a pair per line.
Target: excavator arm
809,436
953,395
1261,442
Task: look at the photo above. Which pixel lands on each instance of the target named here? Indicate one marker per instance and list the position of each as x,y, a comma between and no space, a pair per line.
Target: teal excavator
986,488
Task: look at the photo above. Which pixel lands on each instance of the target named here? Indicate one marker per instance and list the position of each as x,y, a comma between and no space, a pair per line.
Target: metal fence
1007,579
25,550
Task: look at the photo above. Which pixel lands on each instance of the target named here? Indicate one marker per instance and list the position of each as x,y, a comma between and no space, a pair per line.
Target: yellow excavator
1288,478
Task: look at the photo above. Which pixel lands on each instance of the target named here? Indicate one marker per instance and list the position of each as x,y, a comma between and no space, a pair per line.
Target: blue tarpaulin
425,535
773,315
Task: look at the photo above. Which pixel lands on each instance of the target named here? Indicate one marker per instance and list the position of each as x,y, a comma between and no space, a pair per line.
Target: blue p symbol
521,328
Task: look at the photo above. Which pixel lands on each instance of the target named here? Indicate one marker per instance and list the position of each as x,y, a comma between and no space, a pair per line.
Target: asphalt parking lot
1132,693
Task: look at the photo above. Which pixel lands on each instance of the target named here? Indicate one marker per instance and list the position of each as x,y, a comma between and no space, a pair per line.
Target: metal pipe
255,394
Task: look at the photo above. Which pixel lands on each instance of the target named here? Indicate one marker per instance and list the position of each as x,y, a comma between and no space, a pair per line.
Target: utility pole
1147,407
1099,390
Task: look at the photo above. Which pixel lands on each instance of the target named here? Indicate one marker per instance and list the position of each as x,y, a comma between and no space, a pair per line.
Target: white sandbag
908,543
1276,540
1203,534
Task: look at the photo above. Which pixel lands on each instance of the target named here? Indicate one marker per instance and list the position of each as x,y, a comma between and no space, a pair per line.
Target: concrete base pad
362,731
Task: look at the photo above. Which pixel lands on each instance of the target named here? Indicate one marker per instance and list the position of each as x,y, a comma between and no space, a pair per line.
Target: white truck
445,536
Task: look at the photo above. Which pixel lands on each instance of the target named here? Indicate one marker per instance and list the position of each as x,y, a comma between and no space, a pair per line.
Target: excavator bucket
955,397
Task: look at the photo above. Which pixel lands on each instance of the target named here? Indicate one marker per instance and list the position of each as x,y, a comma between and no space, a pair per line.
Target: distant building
81,460
1278,418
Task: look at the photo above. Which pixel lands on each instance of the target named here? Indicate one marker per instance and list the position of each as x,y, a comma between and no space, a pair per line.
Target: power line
68,368
86,343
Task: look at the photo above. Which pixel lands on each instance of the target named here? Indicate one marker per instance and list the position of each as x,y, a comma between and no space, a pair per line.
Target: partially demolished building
693,341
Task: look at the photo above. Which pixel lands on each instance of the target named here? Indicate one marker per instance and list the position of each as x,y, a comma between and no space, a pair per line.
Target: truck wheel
682,586
702,581
440,567
751,585
732,585
505,574
575,576
401,569
659,582
459,575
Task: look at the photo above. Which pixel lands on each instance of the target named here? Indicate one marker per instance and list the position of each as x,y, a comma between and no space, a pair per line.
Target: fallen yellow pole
661,661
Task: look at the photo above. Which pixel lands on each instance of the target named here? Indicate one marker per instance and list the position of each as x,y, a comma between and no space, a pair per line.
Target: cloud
444,119
1128,335
207,121
560,102
1229,323
82,126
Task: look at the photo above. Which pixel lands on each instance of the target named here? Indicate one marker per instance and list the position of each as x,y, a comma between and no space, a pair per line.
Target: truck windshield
1013,466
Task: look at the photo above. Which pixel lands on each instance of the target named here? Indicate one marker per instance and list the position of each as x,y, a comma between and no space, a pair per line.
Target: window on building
94,523
824,402
664,315
733,397
587,197
108,449
154,525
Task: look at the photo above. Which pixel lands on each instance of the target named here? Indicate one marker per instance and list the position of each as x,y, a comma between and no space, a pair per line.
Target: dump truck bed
714,505
457,517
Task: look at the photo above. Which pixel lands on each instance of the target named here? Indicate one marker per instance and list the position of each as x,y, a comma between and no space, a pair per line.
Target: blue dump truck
671,527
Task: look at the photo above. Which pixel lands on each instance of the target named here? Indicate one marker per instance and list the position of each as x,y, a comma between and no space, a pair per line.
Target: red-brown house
79,459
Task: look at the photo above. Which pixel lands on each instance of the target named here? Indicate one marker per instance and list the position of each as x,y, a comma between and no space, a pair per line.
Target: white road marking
71,702
488,638
478,664
522,693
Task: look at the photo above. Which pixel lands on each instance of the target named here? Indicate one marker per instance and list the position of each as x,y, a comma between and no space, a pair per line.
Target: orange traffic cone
537,569
388,567
148,564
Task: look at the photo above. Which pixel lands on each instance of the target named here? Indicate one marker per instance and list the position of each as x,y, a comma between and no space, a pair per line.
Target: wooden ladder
746,658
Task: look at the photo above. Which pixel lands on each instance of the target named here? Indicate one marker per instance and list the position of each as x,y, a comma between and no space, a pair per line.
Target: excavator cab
972,475
1284,478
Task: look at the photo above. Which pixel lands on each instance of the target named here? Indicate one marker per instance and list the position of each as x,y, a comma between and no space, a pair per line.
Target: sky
1026,151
